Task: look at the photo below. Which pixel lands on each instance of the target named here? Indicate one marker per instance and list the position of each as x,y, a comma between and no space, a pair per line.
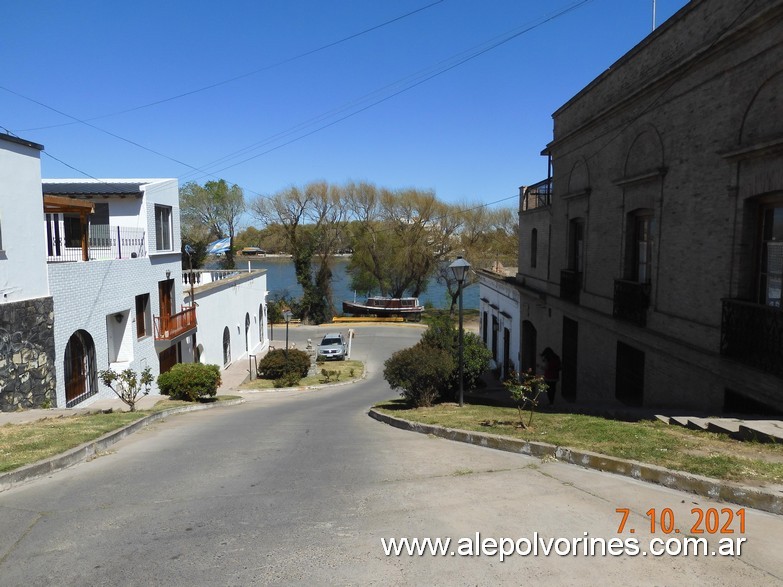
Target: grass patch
23,444
653,442
344,368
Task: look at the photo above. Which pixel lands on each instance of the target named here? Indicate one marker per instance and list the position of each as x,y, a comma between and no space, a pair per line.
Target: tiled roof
93,188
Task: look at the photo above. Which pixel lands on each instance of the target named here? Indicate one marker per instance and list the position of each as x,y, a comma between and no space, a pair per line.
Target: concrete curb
752,497
89,449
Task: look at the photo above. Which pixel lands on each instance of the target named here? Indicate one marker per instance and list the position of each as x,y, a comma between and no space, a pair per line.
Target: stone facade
27,365
665,169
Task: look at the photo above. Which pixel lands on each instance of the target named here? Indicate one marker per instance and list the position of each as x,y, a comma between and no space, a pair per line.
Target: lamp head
460,269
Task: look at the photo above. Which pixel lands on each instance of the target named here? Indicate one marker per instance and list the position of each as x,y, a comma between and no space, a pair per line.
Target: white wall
23,255
86,297
166,193
225,304
505,296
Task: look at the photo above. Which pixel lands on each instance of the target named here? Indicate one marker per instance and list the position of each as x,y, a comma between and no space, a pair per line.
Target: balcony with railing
536,196
753,334
631,301
199,277
104,242
170,327
570,285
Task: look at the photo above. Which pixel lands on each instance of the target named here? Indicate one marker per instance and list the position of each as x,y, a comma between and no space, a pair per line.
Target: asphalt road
300,488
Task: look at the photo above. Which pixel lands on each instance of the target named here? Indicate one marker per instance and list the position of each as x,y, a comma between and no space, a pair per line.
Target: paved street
300,487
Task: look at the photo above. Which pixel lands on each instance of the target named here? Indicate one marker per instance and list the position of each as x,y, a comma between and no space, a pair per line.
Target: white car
332,347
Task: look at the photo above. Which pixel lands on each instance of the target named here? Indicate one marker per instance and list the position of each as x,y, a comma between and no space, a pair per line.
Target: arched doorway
226,347
247,332
79,368
261,322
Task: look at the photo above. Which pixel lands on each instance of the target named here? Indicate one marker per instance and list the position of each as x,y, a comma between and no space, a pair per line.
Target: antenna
653,14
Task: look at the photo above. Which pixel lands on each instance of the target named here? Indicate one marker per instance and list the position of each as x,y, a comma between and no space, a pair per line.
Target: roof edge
21,141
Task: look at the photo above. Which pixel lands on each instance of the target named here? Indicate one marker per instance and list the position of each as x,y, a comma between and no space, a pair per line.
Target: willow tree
398,238
216,206
311,219
483,237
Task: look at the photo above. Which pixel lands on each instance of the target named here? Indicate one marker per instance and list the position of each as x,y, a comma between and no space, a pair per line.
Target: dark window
163,228
576,245
73,230
226,347
143,319
642,246
770,275
533,247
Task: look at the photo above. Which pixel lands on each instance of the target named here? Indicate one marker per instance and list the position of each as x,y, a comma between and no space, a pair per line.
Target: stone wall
27,360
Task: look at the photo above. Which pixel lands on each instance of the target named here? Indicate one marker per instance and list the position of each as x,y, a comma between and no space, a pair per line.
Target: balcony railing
753,334
570,285
204,276
170,327
104,242
538,195
631,300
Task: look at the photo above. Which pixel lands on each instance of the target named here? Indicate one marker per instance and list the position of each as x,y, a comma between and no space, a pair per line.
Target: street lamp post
460,269
287,316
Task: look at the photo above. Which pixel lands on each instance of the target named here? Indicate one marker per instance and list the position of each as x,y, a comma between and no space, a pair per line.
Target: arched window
533,247
79,368
226,347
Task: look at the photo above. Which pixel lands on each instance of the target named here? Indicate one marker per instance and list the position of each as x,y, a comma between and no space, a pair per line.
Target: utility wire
412,81
429,74
248,74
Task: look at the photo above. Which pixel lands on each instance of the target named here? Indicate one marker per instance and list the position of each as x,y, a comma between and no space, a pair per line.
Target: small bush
275,365
475,357
289,379
190,381
419,372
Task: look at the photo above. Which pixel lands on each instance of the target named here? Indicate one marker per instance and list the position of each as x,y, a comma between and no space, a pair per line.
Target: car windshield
328,341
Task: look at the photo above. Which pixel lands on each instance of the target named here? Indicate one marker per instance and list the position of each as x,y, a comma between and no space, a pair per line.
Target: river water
281,279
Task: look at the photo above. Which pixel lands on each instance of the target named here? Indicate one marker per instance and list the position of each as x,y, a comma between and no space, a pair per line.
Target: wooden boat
380,306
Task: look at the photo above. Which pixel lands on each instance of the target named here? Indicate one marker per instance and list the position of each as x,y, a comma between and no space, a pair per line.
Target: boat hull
408,308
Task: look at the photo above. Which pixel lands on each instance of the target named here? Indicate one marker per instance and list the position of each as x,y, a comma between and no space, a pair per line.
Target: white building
499,318
231,308
114,262
27,356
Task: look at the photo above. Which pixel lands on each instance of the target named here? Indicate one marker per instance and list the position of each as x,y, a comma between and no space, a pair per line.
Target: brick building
654,269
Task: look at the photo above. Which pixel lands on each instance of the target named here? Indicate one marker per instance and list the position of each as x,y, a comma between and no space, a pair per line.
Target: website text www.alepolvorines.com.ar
586,545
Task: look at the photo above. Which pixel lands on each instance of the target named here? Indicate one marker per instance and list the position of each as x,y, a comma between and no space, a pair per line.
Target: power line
248,74
412,81
416,80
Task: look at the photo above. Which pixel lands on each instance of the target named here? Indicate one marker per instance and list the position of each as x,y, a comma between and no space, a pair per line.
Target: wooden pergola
64,205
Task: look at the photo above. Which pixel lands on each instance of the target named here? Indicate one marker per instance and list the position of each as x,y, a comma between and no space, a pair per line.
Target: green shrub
275,365
289,379
419,373
475,361
190,381
443,334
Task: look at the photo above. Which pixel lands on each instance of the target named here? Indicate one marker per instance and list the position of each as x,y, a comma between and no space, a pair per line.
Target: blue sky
472,133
